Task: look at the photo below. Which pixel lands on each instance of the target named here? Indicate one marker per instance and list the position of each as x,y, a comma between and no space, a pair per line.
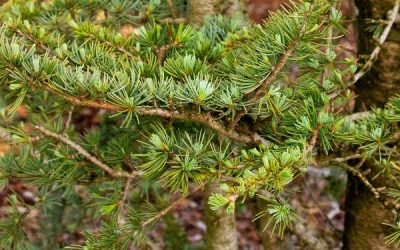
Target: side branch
388,204
167,209
205,119
111,172
374,55
263,85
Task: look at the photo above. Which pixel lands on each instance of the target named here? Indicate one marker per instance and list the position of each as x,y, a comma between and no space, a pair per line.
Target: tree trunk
364,213
221,227
269,240
198,9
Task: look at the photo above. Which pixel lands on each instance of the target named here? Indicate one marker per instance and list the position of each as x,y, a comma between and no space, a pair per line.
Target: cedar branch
167,209
111,172
205,119
262,86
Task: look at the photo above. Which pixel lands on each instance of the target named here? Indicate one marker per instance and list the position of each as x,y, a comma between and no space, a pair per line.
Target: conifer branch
262,86
178,20
172,9
124,197
120,49
388,204
313,140
205,119
31,39
161,51
172,206
111,172
375,53
126,191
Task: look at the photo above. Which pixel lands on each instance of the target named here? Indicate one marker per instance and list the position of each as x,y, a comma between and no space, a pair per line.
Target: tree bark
198,9
269,240
364,213
221,227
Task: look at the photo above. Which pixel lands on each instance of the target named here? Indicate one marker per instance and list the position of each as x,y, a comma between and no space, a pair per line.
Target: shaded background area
318,197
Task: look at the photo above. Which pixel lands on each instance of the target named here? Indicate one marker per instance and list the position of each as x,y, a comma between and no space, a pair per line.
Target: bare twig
161,51
359,115
167,209
374,55
362,178
172,9
111,172
173,20
125,192
332,159
313,140
388,204
69,118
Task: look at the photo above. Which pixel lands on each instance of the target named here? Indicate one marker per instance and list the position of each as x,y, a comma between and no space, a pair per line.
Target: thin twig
69,118
374,55
362,178
161,51
388,204
32,39
125,192
178,20
312,142
167,209
111,172
172,9
359,115
332,159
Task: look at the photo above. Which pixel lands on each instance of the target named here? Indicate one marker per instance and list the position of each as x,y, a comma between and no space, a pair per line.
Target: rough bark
383,81
221,227
364,213
197,9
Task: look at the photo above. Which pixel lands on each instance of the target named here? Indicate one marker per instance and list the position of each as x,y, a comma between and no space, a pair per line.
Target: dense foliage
250,106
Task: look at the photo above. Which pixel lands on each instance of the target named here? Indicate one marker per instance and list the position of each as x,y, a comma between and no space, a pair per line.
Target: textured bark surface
197,10
364,214
221,227
383,81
